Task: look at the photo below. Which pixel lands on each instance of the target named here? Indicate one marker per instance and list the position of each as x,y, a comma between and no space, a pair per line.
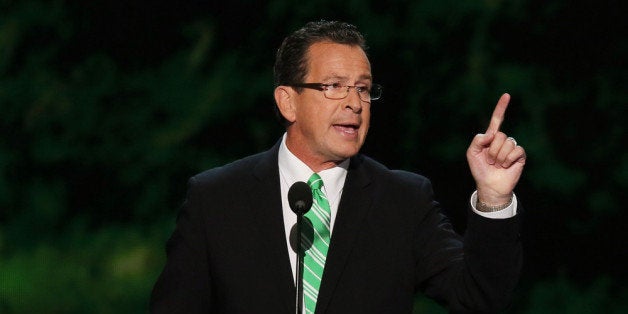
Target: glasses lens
341,92
336,92
376,92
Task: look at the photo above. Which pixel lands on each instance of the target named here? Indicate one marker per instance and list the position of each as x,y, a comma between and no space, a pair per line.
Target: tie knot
315,182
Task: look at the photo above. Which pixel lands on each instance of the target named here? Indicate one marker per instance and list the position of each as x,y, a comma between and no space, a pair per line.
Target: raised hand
495,160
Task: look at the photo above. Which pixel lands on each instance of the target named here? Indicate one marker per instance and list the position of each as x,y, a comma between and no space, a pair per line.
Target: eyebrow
344,78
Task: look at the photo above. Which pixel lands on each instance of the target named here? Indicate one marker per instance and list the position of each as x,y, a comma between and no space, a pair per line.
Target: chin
348,153
344,149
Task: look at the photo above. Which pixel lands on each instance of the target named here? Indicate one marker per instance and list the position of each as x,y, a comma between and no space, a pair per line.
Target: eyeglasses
341,91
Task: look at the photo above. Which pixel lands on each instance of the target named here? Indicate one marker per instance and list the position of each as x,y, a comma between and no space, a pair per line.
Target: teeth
347,129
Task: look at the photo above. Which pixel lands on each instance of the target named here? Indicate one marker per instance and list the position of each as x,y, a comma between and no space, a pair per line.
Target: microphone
300,198
300,201
307,232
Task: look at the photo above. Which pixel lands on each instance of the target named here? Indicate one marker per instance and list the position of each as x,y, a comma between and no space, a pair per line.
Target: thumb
480,141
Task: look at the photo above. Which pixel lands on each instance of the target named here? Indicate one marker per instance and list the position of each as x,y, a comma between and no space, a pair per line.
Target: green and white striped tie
317,242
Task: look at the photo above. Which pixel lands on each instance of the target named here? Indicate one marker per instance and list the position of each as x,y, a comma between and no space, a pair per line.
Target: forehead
333,60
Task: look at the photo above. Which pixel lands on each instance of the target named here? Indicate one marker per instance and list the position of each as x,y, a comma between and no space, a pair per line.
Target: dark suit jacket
228,253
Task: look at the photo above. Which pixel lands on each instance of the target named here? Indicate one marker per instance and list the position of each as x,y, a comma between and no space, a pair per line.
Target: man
379,235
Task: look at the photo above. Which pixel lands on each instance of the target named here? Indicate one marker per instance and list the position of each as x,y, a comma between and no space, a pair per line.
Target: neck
314,162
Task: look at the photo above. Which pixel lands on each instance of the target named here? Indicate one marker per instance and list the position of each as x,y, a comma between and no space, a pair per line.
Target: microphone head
300,198
307,233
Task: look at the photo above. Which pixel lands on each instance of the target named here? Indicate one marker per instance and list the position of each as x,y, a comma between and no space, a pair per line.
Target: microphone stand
299,265
300,201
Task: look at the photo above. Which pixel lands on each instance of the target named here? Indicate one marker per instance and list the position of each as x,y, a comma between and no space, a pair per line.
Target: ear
284,98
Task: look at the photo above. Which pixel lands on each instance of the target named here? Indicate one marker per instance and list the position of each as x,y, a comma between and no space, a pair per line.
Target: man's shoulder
380,172
233,172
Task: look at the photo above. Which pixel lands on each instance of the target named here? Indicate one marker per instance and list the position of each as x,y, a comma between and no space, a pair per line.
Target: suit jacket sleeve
184,284
478,276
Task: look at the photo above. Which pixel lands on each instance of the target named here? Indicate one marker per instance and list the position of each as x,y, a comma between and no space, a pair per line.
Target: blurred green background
107,107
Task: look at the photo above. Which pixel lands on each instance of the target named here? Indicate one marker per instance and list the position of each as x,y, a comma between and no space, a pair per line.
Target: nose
354,102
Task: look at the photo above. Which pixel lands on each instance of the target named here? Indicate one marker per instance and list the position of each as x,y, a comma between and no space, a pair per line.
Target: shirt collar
293,170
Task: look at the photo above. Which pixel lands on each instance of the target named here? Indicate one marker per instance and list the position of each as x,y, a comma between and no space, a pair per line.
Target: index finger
498,114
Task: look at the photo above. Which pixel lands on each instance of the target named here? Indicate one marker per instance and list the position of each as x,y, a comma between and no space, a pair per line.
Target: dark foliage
109,106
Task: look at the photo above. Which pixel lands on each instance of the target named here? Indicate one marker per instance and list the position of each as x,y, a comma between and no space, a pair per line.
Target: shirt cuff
507,212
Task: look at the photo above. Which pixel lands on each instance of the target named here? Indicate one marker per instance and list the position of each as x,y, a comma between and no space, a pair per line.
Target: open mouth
347,128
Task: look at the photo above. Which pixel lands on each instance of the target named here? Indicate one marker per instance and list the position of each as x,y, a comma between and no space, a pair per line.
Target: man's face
326,131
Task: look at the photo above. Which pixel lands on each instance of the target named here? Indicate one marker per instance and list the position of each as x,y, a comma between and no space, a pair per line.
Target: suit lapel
269,227
354,205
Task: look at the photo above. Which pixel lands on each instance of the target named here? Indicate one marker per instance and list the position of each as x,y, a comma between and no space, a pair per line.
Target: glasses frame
324,88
